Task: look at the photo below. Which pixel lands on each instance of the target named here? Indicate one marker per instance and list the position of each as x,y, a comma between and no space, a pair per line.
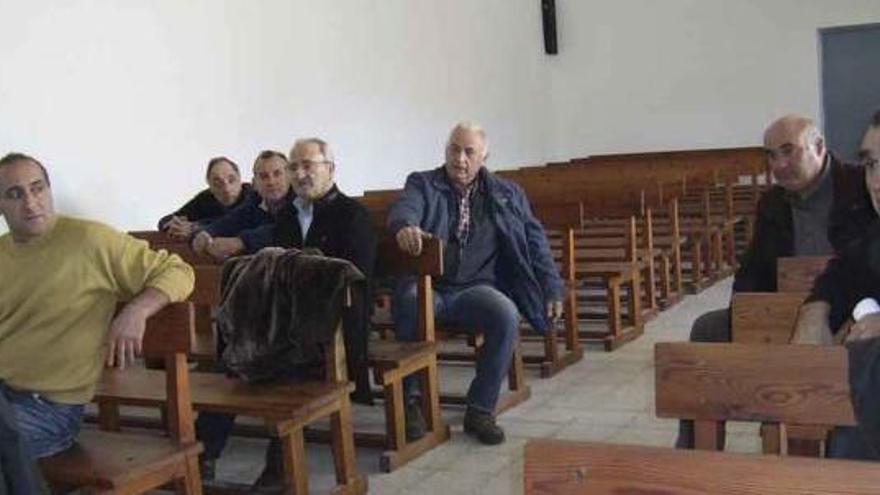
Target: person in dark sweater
248,227
317,215
224,193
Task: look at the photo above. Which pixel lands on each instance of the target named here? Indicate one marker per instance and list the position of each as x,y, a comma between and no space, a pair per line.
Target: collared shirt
473,247
305,213
810,214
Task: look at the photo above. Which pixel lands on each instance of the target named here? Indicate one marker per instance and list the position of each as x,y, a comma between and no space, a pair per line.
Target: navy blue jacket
249,222
525,270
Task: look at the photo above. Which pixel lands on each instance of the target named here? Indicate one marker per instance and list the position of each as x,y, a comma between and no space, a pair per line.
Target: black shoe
482,425
415,421
207,468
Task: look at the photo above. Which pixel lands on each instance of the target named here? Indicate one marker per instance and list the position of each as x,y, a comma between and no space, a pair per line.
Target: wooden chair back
711,383
797,273
764,317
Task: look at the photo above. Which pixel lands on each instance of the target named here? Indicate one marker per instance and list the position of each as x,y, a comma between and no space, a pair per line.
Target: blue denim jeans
480,307
46,427
849,442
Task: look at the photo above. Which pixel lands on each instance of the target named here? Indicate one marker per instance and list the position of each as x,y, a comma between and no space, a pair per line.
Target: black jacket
204,207
341,227
774,230
854,273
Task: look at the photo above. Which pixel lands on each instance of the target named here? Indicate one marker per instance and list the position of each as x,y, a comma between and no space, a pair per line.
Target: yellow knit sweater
58,294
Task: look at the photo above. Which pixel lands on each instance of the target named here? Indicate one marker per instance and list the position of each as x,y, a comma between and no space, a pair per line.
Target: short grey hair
470,126
320,143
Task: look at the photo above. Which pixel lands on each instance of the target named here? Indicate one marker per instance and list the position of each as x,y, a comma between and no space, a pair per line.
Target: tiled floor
606,397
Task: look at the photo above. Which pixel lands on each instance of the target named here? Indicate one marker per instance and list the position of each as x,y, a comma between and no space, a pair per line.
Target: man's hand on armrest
409,239
127,328
201,241
812,326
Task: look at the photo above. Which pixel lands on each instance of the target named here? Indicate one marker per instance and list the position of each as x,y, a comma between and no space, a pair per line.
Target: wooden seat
115,462
286,408
557,467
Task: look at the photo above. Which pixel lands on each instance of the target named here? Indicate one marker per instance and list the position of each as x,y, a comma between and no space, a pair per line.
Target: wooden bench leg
770,438
342,443
708,435
665,282
635,301
293,452
395,424
399,450
108,415
615,323
191,483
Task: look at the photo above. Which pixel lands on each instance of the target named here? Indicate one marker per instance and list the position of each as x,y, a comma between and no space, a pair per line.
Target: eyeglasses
868,162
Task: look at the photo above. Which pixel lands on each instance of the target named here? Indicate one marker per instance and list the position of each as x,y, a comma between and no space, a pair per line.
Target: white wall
646,75
125,101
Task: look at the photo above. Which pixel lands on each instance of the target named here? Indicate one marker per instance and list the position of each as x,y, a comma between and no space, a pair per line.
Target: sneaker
207,468
482,426
416,427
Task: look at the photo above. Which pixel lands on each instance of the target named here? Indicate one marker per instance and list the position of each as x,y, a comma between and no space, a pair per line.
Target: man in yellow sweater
61,280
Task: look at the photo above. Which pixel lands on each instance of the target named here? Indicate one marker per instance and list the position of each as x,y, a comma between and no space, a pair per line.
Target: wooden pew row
558,467
604,269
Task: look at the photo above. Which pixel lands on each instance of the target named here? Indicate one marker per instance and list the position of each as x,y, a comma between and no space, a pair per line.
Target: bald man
497,264
803,214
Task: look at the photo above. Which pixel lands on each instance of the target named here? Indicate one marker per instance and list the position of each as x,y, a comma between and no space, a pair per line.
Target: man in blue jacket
497,264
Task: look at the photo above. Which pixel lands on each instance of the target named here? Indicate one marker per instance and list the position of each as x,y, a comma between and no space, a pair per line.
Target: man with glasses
849,290
804,213
317,215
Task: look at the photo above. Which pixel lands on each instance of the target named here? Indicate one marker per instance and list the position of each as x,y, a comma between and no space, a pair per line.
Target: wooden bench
390,361
286,408
789,384
557,467
108,461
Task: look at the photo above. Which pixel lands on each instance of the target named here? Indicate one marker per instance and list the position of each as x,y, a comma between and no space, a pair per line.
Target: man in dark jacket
803,214
225,192
497,265
249,226
850,281
318,215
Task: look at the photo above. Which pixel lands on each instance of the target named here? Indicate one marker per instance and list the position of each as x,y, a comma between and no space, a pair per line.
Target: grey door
850,62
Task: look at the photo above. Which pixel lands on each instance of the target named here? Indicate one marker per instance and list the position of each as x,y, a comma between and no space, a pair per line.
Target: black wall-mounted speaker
548,9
